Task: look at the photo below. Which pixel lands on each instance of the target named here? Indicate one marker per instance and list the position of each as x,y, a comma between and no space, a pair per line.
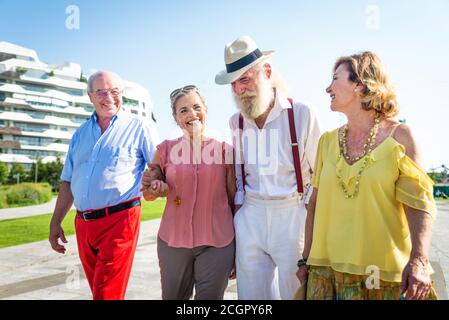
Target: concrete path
439,250
34,271
20,212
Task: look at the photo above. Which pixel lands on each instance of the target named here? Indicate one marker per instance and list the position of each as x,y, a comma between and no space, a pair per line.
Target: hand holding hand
154,172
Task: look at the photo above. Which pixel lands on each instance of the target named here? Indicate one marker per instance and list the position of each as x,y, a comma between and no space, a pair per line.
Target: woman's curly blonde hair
366,68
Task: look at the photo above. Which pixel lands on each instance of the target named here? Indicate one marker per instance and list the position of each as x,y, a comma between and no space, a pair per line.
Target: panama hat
239,56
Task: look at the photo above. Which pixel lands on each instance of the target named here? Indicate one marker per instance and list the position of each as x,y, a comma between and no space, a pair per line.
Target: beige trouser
207,268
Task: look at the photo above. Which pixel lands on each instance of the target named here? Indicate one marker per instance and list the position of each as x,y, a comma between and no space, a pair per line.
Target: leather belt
100,213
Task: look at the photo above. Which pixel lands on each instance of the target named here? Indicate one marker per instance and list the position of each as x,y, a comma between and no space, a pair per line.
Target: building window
130,102
34,127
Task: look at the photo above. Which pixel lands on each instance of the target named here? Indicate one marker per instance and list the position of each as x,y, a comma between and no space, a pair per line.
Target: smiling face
190,113
342,91
253,92
106,95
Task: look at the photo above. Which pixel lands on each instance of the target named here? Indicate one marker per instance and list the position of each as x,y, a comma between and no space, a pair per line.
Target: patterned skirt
324,283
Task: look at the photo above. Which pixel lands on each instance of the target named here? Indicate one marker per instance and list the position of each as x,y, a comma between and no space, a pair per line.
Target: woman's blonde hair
367,68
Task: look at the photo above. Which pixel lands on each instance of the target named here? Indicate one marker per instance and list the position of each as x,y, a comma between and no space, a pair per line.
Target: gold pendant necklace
367,149
177,201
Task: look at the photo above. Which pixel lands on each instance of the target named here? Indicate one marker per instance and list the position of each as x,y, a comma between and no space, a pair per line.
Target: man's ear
267,68
90,97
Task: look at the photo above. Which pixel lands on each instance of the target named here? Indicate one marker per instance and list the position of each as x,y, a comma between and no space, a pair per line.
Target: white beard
253,104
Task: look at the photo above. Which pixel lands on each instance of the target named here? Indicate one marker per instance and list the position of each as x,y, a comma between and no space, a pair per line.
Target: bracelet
301,263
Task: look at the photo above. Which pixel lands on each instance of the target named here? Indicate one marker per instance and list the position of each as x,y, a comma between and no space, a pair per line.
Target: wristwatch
301,263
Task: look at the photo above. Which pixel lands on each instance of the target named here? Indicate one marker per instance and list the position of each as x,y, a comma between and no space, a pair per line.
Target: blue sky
167,44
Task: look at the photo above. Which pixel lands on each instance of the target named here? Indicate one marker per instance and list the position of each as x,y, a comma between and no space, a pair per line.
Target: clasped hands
153,184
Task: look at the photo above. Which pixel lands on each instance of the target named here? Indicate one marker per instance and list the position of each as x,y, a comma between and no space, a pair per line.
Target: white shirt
269,167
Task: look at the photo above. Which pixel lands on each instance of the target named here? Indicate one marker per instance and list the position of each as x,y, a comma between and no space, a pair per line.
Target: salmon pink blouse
197,212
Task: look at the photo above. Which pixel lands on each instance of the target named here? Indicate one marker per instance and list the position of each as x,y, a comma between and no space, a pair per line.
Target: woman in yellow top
369,220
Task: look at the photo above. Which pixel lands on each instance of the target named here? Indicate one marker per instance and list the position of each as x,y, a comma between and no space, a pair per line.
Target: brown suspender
295,149
242,165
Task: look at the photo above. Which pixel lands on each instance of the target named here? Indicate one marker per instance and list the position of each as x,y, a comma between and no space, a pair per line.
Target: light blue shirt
106,169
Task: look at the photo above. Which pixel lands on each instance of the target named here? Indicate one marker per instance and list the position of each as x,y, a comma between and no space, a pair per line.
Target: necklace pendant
177,202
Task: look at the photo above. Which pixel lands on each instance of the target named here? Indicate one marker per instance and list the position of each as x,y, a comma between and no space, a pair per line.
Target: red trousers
106,248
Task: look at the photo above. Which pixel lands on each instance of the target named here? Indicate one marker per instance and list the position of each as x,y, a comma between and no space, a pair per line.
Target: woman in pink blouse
196,236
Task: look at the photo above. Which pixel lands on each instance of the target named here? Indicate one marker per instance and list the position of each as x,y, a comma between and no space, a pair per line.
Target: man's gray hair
276,80
99,74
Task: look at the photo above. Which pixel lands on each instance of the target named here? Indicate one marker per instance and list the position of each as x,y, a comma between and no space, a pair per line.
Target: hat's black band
243,62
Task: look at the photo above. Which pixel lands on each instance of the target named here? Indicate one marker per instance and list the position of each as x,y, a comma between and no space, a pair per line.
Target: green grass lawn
24,230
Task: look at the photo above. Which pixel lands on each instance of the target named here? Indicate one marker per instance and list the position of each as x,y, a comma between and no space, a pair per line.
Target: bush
4,173
28,194
2,200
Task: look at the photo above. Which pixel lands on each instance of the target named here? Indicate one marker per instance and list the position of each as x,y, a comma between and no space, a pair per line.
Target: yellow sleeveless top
353,235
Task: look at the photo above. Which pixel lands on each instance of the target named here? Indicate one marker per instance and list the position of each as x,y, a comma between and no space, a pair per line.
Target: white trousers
269,242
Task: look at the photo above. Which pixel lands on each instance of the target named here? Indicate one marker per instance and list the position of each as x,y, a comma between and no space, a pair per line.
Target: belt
100,213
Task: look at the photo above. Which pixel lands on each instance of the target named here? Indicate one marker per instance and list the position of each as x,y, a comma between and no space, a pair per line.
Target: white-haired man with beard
275,141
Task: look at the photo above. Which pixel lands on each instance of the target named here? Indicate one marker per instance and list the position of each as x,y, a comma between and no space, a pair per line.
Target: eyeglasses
185,89
104,92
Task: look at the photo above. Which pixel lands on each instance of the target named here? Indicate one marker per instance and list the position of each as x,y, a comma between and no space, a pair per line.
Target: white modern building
42,105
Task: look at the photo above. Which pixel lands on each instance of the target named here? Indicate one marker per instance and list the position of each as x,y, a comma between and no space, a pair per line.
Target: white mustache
247,94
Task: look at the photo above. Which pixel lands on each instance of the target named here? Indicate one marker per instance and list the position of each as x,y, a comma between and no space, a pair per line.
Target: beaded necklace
367,149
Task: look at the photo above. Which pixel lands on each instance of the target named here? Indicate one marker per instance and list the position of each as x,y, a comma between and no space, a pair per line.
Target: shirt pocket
81,157
119,169
119,160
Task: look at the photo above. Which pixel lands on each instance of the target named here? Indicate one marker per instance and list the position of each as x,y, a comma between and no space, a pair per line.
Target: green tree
17,168
52,173
4,171
83,78
21,71
41,172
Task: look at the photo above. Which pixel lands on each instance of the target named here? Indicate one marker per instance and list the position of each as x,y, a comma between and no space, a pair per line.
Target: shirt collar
120,114
281,103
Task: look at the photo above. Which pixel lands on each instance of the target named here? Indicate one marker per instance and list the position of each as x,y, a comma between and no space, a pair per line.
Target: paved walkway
439,250
20,212
34,271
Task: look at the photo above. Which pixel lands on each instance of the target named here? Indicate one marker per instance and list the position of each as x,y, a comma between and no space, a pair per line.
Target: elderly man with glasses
102,173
